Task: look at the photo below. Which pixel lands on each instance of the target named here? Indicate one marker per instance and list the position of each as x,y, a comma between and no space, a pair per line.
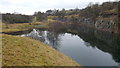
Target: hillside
21,51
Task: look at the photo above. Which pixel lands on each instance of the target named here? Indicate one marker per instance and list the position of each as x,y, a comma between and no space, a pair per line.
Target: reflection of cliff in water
48,37
104,41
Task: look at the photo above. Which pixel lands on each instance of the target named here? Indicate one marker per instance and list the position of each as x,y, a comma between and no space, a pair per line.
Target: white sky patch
30,6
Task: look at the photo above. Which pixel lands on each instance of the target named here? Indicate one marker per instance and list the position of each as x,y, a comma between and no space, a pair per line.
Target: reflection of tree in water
54,39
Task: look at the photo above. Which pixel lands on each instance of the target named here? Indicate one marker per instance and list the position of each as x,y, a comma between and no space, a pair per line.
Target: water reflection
104,41
48,37
54,39
35,34
65,42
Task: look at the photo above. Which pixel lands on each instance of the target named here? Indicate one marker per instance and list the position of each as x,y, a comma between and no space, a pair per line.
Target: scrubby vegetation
92,11
16,18
39,16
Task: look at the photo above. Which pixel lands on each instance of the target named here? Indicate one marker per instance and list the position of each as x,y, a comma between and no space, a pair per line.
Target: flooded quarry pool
86,48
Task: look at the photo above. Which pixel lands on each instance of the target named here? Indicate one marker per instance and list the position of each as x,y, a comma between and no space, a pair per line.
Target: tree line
16,18
92,11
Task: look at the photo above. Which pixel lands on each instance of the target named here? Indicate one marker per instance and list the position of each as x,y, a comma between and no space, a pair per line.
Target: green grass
21,51
21,26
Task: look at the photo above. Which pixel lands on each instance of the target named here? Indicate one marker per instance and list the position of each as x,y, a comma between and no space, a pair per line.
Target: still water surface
85,49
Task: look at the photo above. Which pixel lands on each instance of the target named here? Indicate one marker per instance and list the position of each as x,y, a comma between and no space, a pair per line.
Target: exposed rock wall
102,24
105,25
87,22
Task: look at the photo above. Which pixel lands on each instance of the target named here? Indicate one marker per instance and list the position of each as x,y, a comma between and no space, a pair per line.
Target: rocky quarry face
106,25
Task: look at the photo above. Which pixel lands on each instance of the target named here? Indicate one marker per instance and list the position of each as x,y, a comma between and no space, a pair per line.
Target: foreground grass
21,51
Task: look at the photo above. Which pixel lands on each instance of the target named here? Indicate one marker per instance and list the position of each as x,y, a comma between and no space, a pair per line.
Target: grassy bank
22,26
21,51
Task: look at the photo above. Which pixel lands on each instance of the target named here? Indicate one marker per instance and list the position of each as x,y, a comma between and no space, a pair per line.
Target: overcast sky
30,6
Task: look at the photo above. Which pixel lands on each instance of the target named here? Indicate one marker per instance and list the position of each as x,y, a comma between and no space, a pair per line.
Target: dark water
86,47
